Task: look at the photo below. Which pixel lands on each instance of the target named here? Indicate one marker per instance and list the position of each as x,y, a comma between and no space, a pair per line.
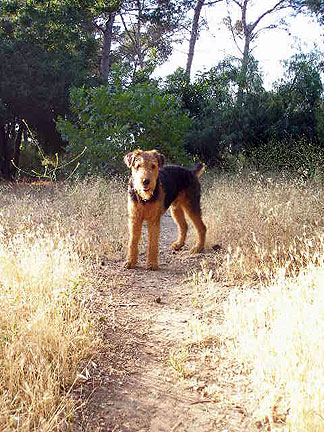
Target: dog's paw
176,246
129,265
152,266
196,249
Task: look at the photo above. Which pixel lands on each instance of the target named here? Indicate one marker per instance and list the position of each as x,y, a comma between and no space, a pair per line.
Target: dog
152,189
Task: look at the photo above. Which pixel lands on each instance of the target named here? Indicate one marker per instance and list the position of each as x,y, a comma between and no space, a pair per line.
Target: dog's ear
159,157
161,160
129,159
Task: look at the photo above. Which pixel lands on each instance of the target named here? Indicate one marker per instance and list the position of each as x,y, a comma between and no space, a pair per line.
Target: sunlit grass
92,212
272,323
271,233
50,234
279,332
44,331
262,224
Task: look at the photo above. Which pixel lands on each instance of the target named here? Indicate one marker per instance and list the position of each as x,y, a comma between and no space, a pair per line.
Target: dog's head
145,169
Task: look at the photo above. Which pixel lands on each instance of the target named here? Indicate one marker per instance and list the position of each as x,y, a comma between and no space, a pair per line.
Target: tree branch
126,30
245,26
98,27
238,4
269,11
269,27
233,34
211,3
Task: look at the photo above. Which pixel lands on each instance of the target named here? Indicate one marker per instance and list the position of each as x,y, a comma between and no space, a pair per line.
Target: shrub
111,121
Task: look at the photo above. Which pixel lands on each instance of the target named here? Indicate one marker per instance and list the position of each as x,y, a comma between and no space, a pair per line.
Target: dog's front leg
153,227
135,231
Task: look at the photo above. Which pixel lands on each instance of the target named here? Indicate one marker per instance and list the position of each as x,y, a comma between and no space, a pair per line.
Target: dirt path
131,386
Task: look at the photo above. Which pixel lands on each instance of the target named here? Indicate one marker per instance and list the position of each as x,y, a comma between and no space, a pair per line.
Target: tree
104,24
314,6
245,32
194,35
45,47
195,30
287,117
146,32
317,7
299,95
209,100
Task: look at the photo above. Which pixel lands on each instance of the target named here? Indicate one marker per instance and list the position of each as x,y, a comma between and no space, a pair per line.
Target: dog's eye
153,166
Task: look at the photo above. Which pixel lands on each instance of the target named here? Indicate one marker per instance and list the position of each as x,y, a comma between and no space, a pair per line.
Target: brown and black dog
152,189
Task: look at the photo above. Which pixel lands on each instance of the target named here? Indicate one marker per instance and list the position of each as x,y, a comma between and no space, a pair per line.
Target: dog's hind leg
195,216
178,216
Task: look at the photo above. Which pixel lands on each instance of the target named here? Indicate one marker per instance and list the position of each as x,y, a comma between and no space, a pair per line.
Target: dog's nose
146,181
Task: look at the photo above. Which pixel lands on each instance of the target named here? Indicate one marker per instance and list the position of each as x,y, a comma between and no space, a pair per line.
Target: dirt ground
144,318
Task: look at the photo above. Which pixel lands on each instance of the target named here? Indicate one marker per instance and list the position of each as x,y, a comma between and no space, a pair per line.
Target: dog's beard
145,192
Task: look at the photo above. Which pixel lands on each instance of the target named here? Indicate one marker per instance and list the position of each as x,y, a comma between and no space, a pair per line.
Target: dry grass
278,332
48,236
262,224
91,212
271,232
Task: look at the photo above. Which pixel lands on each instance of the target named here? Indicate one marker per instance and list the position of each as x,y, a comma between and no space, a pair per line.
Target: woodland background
77,89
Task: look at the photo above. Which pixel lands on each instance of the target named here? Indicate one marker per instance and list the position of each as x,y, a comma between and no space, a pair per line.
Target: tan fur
178,209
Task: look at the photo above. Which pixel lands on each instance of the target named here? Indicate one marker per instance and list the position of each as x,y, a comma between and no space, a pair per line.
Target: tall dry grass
48,236
278,333
272,233
92,212
263,223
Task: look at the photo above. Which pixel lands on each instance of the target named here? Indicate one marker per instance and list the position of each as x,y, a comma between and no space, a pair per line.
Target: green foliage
320,122
45,47
211,102
48,47
221,129
298,97
314,6
111,121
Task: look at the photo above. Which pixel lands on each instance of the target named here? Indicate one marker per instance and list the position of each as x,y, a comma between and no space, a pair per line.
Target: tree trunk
242,84
138,46
17,147
106,48
4,154
194,35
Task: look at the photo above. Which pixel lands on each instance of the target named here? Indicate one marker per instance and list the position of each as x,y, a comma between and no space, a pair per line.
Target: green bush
111,120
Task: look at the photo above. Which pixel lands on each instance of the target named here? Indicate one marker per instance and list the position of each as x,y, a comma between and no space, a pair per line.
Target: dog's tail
198,169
